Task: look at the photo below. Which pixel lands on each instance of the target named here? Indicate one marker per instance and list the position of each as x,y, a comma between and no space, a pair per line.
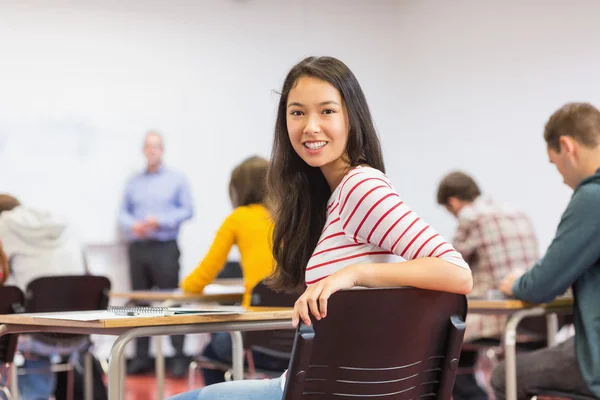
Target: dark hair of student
299,191
248,182
581,121
457,184
8,202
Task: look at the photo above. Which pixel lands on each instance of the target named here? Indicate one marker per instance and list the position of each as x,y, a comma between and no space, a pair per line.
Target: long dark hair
299,191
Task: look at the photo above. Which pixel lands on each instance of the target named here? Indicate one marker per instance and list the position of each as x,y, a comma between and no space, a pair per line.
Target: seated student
572,136
339,221
37,244
495,240
249,227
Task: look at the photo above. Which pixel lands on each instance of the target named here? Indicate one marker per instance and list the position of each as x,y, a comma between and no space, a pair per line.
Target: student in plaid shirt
495,240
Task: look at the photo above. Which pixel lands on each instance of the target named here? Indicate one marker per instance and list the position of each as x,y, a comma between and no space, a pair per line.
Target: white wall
461,84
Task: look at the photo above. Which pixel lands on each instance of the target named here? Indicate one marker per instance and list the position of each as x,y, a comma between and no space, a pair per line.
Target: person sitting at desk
249,227
572,136
494,239
37,244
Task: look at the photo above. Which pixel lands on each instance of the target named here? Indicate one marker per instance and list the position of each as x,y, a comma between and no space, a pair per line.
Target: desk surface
235,294
515,305
253,314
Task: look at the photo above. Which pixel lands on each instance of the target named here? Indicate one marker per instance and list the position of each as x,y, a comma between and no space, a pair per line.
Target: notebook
165,311
117,312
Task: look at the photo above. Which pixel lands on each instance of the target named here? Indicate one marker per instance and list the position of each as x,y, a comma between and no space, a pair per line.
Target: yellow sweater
248,227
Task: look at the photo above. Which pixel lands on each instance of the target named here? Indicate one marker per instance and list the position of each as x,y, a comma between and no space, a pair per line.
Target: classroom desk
129,328
221,291
517,310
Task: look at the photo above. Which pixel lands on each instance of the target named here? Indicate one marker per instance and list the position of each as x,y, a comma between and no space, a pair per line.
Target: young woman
250,227
339,222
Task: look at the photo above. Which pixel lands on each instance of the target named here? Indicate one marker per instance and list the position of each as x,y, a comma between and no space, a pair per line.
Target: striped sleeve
372,212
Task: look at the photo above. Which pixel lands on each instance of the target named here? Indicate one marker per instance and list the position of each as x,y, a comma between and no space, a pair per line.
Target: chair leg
70,384
251,366
89,376
14,382
192,375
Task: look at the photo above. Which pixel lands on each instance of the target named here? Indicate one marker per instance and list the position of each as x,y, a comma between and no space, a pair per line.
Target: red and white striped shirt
367,222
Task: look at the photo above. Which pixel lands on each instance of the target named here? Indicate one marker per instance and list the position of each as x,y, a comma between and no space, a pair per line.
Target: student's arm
183,210
372,212
215,259
573,250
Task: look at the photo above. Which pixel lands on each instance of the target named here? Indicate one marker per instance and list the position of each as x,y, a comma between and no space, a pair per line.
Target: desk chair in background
12,299
401,342
231,270
67,293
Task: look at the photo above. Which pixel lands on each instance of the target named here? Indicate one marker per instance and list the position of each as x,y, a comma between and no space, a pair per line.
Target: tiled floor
143,387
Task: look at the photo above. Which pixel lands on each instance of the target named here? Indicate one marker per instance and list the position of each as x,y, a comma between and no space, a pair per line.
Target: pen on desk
126,313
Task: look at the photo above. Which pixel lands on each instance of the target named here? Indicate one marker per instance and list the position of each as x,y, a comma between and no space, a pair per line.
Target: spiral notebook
117,312
165,311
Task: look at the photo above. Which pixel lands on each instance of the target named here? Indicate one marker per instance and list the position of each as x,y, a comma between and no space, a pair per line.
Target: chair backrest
66,293
11,300
275,342
401,343
232,269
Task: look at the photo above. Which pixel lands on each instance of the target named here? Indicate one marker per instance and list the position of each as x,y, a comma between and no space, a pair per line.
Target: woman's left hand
314,299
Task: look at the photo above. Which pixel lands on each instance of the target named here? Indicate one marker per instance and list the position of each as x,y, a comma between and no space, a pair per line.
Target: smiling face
317,124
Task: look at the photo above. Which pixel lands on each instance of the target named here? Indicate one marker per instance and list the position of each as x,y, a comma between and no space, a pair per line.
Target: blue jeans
40,382
264,389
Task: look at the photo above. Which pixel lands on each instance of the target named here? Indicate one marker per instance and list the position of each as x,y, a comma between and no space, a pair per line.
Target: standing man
495,240
572,136
156,202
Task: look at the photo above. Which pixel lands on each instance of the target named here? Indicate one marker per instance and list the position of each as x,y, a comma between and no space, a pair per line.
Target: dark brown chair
232,269
401,342
553,395
11,301
66,293
276,343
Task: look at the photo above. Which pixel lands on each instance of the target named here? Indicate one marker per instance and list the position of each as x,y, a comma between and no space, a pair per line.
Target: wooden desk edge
514,304
253,314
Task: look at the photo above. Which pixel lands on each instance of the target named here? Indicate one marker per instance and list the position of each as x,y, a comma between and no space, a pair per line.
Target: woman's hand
314,299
